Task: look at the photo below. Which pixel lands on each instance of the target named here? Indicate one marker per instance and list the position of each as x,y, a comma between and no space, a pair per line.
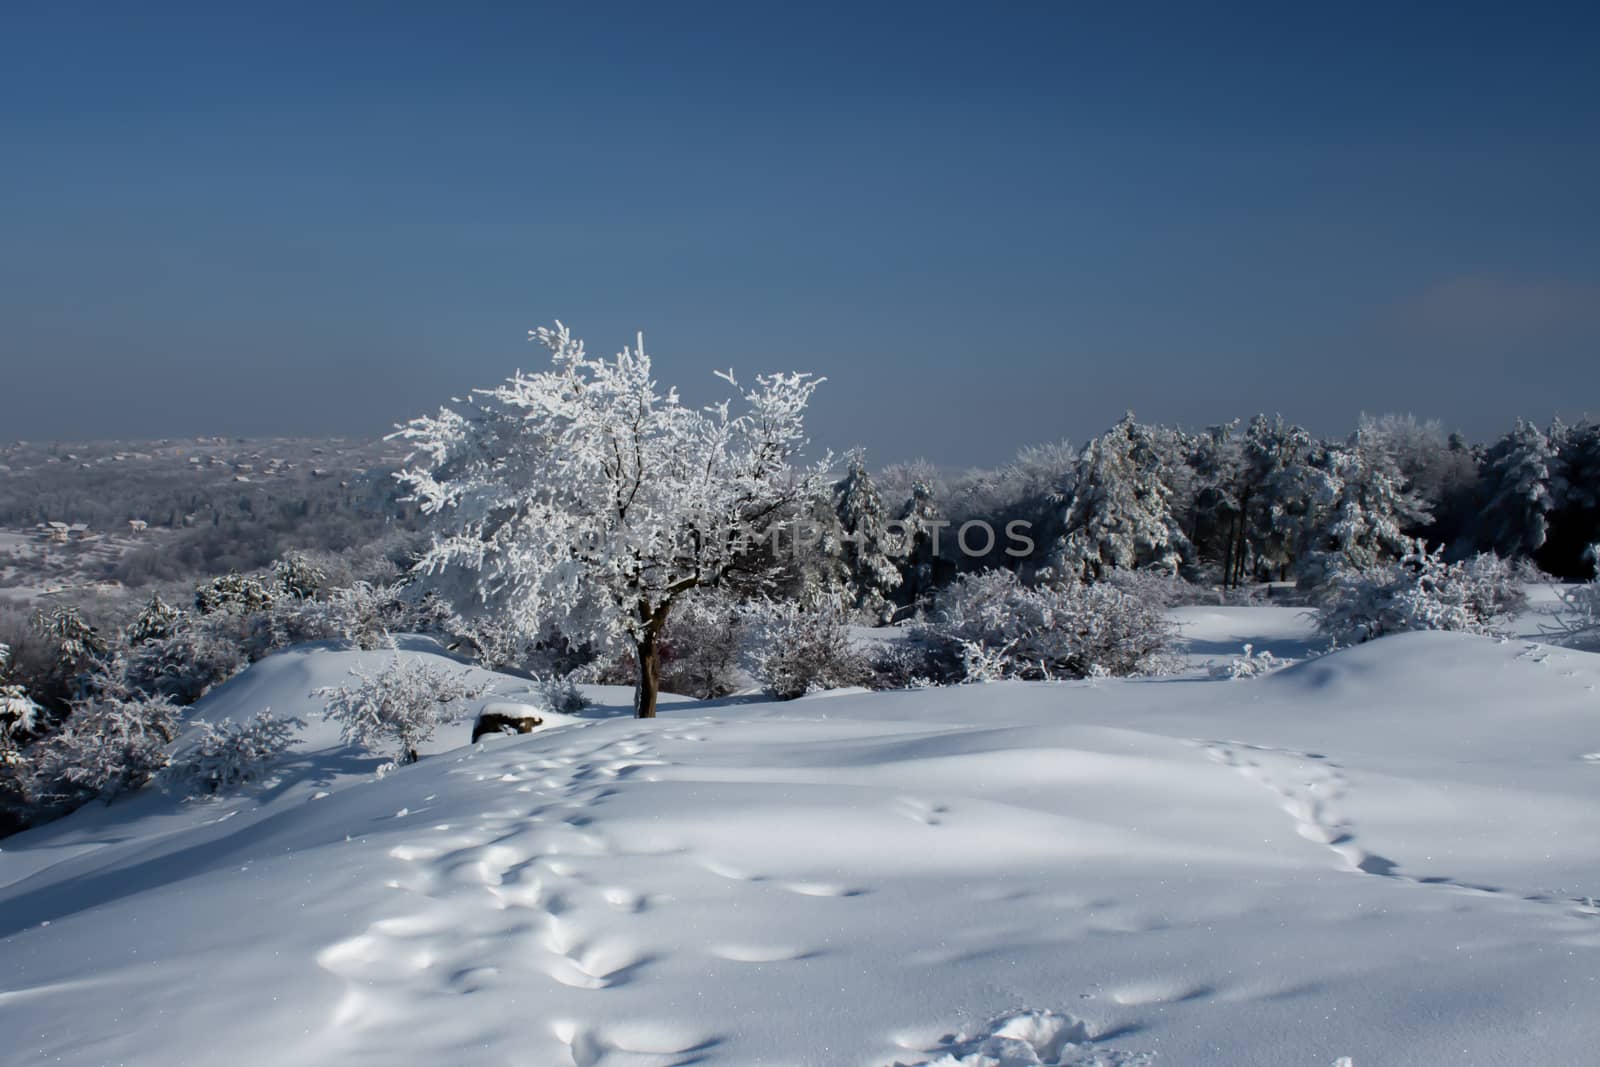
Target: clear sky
987,224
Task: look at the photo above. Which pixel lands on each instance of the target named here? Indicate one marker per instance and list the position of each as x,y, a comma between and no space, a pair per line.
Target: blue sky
988,225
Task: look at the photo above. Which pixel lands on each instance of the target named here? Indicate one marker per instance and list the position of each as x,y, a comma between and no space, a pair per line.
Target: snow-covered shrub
1159,588
703,644
113,742
909,665
1251,664
199,653
561,693
1420,592
156,620
803,650
225,755
233,592
983,663
1578,620
493,641
1072,629
297,577
399,706
367,614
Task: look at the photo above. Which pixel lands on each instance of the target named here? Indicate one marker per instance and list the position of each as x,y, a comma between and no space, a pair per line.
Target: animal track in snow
1309,785
921,811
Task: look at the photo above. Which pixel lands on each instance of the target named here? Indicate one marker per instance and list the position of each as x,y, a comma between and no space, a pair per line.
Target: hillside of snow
1390,853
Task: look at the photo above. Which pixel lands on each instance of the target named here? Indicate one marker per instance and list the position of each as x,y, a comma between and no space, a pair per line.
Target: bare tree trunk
648,652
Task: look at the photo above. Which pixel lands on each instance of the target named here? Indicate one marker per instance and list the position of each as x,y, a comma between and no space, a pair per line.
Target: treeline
1263,501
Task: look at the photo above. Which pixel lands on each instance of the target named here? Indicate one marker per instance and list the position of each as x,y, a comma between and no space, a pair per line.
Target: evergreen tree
157,621
917,525
1517,481
1120,515
859,507
1361,512
1574,517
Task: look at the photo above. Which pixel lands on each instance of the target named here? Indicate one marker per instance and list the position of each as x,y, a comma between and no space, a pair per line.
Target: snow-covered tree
79,647
156,621
400,706
810,556
915,539
873,572
1120,514
19,716
1517,476
583,501
1361,513
1574,517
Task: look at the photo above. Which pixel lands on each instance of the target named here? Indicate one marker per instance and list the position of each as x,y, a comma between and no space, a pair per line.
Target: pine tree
1362,511
1120,515
1517,478
156,622
914,537
874,574
1574,517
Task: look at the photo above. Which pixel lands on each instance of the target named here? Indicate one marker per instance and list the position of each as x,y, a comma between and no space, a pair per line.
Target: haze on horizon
987,230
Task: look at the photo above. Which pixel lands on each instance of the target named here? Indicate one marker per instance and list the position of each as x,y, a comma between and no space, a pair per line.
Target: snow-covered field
1390,854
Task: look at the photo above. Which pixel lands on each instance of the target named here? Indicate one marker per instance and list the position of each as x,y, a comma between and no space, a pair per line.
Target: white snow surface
1390,854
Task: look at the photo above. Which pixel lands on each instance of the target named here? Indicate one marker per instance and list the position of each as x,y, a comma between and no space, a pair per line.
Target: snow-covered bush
909,664
297,577
233,592
983,663
400,706
561,693
803,650
363,614
1159,588
1420,592
1250,664
1578,619
493,641
225,755
183,665
1072,629
703,645
113,742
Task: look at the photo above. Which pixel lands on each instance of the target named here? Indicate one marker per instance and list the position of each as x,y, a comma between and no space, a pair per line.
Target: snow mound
1387,853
